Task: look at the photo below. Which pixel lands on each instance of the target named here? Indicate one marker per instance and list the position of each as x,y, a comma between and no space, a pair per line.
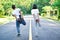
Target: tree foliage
57,4
24,5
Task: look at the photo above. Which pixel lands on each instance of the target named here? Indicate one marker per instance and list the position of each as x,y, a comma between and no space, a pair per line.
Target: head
13,7
34,6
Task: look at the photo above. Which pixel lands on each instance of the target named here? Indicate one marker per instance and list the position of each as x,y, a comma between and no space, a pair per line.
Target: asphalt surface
49,30
9,32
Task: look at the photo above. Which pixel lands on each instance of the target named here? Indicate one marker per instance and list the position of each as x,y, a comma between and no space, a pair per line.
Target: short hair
34,6
13,7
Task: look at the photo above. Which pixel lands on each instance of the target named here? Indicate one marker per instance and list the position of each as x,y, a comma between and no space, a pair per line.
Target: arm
33,15
14,16
38,15
21,13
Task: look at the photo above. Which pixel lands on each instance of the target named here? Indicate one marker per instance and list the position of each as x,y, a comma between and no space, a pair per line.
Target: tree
25,5
57,4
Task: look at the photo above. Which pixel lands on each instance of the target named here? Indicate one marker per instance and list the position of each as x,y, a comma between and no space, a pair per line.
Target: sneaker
18,35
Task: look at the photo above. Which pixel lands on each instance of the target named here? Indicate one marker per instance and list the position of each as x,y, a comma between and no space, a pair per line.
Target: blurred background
48,9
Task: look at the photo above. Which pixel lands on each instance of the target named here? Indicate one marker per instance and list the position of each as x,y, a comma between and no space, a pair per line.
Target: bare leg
39,24
35,23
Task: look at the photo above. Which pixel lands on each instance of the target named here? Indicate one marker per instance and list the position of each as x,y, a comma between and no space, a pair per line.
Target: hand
18,19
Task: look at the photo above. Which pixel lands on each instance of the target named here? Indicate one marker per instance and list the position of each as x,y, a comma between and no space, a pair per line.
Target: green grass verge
6,19
52,18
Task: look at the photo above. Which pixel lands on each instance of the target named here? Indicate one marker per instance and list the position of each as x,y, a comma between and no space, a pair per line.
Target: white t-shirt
16,12
35,12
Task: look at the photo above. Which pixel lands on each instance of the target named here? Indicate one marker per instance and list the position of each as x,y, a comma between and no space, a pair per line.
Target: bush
1,16
58,17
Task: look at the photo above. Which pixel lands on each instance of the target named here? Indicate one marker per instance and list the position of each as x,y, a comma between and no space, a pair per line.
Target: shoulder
37,9
32,10
13,12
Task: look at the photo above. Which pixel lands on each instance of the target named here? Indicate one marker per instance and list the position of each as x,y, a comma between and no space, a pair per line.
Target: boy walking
19,18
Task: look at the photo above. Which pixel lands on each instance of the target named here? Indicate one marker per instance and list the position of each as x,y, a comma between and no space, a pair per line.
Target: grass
54,18
6,19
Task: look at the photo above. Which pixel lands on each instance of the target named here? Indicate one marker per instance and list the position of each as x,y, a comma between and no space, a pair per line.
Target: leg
23,22
18,26
36,31
38,21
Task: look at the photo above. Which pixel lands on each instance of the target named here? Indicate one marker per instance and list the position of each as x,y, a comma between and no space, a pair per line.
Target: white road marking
30,31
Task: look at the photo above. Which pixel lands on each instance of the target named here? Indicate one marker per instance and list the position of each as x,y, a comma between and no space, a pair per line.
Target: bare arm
38,15
33,15
21,14
14,16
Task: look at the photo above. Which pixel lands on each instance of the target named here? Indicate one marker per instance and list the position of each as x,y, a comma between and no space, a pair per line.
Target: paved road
49,30
8,32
